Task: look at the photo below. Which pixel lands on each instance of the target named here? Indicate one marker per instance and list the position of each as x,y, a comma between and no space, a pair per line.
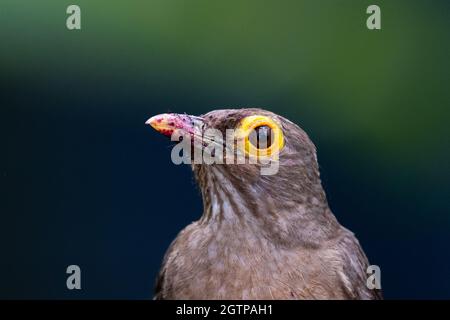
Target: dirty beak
168,123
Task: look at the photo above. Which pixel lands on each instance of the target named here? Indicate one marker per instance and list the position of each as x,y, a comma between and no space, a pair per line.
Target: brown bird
261,236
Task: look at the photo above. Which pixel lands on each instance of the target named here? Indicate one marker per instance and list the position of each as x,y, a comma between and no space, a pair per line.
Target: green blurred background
84,182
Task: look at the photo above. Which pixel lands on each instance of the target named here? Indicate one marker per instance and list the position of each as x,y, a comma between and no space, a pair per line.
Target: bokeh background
84,182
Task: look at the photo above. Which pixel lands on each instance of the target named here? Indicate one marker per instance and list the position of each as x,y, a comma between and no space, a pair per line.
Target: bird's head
249,162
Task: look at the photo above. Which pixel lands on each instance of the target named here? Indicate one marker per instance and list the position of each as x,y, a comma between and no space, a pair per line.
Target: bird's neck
227,202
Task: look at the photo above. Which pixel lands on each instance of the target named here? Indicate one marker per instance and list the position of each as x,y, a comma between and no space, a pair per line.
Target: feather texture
264,237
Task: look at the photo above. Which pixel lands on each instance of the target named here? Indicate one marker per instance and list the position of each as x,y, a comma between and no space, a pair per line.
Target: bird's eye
261,136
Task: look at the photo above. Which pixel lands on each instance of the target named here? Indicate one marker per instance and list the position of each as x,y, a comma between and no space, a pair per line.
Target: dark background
84,182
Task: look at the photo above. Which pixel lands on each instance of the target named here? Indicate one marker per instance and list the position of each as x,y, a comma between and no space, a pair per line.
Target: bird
260,236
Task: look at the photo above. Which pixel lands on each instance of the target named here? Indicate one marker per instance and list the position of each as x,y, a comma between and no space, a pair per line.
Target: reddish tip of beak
167,123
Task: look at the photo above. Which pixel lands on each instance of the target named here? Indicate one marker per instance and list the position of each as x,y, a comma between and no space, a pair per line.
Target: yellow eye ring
250,123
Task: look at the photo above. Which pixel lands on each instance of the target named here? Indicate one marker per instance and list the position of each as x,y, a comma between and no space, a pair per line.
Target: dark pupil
261,137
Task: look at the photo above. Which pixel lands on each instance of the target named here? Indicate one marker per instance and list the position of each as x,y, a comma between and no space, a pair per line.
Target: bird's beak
167,123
